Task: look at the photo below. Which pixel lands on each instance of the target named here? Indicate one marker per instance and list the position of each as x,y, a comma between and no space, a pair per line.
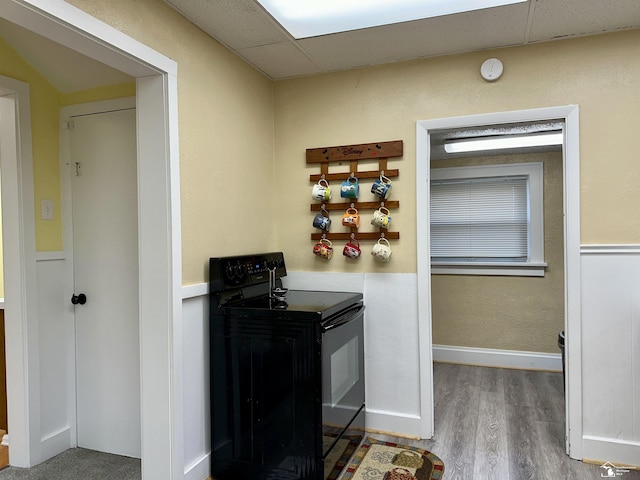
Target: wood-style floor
500,424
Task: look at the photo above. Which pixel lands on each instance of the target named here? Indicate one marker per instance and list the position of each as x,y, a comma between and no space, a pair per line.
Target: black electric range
287,373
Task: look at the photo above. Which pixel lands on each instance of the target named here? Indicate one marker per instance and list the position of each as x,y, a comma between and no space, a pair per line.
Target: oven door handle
343,318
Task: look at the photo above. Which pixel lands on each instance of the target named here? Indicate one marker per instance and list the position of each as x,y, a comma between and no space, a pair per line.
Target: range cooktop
323,304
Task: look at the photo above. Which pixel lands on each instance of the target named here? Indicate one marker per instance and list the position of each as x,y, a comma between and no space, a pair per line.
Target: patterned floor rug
339,455
378,460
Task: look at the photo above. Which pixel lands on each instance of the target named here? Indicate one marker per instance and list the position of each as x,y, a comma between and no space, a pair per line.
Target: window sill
514,269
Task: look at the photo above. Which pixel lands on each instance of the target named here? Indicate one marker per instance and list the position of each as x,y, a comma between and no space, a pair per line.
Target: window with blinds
487,219
480,218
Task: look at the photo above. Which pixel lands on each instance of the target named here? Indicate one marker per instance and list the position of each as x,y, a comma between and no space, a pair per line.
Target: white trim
423,245
498,358
199,469
609,249
394,423
487,268
20,289
571,207
196,290
159,221
50,256
600,449
54,443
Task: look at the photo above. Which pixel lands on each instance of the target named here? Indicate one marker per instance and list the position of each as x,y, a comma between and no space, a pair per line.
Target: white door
105,258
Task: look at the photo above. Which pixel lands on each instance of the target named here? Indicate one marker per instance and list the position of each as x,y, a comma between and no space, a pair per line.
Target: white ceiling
244,27
247,29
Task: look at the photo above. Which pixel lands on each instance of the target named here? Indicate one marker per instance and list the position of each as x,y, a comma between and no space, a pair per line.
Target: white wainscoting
56,358
392,364
195,335
611,353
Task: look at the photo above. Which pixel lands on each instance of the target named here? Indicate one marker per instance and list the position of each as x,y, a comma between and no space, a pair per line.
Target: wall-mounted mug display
381,187
350,188
321,191
322,220
381,251
352,249
323,248
351,218
381,218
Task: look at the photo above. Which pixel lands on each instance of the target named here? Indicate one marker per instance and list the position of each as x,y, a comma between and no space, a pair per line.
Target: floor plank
491,452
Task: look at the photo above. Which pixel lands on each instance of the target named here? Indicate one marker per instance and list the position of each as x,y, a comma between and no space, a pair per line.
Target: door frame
18,224
159,243
572,278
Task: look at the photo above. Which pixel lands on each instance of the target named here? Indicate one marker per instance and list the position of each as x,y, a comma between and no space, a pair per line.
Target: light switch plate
47,210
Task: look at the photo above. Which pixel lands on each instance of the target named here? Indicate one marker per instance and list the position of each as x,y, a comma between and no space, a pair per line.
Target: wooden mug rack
352,154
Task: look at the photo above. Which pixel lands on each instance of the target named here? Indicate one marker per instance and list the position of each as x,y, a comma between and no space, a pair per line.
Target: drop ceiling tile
281,60
557,19
236,23
478,30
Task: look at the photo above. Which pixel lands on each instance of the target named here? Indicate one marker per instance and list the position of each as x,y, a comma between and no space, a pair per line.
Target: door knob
79,299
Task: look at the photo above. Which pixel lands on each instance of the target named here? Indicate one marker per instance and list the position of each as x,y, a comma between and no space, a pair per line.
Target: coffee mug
381,218
381,187
322,221
351,218
352,249
350,188
381,251
321,191
323,248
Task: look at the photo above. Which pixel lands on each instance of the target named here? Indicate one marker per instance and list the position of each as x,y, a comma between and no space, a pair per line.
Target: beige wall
601,74
226,134
513,313
235,198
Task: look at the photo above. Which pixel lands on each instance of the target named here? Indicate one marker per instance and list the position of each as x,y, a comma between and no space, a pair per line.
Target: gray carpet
79,464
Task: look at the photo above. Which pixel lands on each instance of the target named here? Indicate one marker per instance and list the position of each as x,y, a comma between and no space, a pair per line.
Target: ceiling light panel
500,143
311,18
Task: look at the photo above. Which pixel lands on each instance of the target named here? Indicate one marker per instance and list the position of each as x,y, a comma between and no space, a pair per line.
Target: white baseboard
600,450
498,358
53,444
393,423
199,470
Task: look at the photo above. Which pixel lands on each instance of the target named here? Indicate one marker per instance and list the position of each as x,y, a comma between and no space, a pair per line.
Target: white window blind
480,219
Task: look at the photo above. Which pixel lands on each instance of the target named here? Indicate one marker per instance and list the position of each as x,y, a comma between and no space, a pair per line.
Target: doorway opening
160,281
426,130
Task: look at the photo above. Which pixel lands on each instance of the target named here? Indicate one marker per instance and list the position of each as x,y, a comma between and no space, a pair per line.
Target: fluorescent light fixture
499,143
311,18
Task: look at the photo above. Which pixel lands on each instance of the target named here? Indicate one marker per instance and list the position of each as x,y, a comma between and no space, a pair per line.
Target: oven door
343,386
